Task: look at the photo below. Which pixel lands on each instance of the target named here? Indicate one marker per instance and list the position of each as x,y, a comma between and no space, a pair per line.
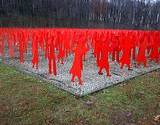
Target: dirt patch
148,121
3,109
122,118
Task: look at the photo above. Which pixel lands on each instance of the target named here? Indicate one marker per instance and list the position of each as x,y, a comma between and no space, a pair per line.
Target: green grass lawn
25,100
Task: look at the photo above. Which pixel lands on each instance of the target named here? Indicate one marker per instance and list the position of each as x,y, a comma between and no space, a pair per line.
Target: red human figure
133,42
67,43
25,38
154,55
51,54
141,57
159,43
22,41
77,67
103,61
1,44
115,47
96,43
37,41
47,37
15,38
41,39
149,43
35,53
97,46
126,52
21,46
11,45
61,46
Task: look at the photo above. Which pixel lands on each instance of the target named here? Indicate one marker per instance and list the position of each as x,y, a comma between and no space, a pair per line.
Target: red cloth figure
67,43
141,57
1,43
149,43
51,54
155,48
159,43
133,42
115,43
35,53
103,60
10,45
21,47
41,39
47,36
79,53
126,52
97,45
22,42
61,39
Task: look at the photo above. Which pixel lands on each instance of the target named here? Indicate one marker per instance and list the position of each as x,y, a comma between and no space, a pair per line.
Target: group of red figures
122,46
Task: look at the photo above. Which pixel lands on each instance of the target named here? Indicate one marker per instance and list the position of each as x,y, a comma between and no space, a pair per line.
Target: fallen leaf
157,118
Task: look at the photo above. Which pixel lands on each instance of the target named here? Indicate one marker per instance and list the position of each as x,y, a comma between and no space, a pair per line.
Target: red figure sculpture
61,54
115,45
104,53
35,53
126,51
79,53
50,48
155,48
22,42
97,46
141,57
1,44
133,42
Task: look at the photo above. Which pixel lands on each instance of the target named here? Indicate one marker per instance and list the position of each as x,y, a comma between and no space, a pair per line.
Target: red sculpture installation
79,53
124,46
154,47
115,44
50,48
141,56
103,54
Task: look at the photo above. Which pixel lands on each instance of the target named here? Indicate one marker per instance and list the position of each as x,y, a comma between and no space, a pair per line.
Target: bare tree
136,14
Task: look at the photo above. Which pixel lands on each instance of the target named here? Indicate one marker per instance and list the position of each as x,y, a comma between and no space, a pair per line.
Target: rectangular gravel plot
92,81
